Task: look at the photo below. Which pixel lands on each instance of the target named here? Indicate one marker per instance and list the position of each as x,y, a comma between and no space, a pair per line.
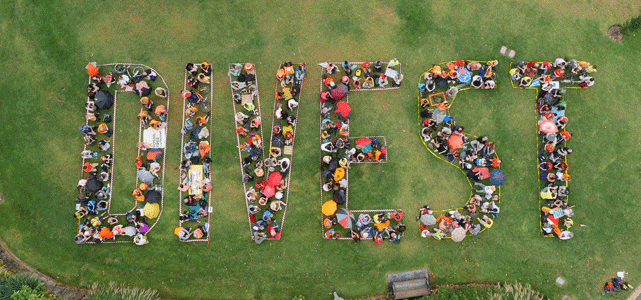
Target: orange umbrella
455,141
329,208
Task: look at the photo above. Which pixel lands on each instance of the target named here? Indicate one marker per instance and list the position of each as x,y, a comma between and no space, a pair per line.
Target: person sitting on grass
205,185
486,221
382,81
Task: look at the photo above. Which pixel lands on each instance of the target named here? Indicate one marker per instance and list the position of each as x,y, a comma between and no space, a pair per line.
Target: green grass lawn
45,45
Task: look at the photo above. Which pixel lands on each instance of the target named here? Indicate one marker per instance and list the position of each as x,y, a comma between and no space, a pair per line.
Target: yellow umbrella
152,210
329,208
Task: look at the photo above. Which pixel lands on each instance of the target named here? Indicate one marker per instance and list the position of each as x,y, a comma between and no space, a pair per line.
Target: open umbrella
329,208
455,141
343,110
93,185
142,88
337,94
274,178
464,75
343,88
146,176
152,210
363,141
339,196
548,126
458,234
278,140
269,191
345,218
497,177
104,99
439,115
428,219
152,197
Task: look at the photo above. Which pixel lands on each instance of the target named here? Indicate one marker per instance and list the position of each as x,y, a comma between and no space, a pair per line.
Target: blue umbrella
497,177
464,75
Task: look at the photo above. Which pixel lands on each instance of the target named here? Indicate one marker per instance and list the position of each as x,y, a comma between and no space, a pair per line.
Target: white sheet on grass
155,138
195,176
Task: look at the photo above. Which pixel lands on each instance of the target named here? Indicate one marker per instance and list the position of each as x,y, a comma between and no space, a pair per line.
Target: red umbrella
548,126
455,141
343,108
384,150
274,179
363,141
269,191
345,218
337,94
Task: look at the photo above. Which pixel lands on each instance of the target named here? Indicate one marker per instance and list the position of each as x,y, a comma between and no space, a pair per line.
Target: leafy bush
461,293
114,291
15,282
27,293
516,291
631,25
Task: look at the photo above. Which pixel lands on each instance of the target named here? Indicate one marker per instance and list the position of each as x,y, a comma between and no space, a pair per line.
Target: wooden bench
409,284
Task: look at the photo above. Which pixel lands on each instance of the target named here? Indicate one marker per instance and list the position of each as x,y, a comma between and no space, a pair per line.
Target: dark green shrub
27,293
15,282
631,25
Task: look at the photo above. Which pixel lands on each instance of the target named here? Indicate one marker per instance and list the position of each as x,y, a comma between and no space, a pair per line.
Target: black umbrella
339,197
104,99
93,185
142,89
152,197
278,140
333,165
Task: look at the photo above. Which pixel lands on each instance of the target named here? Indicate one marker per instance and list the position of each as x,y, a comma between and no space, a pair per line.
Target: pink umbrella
548,126
269,191
363,141
274,179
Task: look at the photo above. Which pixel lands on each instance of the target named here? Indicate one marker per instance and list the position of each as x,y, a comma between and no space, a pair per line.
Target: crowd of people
195,172
96,224
266,175
339,151
552,80
447,139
